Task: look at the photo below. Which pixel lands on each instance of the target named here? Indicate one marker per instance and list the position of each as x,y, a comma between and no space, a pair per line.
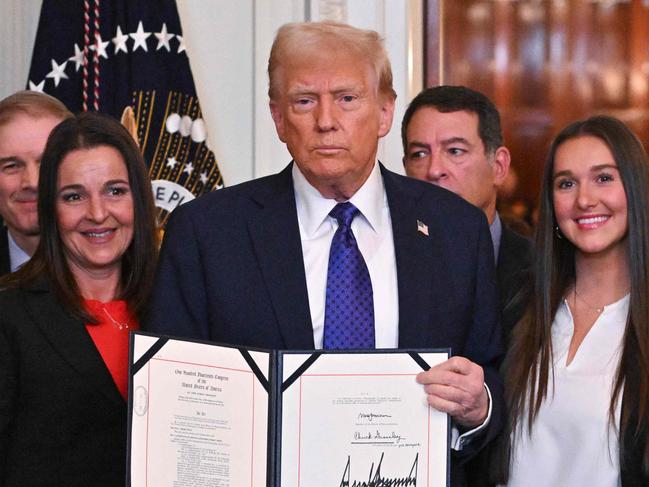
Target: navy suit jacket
513,272
231,270
5,265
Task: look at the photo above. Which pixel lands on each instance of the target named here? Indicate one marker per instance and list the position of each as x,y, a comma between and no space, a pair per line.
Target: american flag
107,55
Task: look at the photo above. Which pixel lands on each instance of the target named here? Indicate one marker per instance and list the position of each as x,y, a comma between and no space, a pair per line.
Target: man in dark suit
453,139
26,120
252,264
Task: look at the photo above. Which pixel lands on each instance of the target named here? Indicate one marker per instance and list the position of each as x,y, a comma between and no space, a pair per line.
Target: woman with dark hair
66,314
577,371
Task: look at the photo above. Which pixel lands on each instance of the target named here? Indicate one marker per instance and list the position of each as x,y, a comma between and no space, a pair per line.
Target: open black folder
204,414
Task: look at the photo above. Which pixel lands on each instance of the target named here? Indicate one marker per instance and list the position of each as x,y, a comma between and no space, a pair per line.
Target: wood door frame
433,42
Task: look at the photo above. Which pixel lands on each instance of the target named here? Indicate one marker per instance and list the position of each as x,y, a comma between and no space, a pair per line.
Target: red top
110,335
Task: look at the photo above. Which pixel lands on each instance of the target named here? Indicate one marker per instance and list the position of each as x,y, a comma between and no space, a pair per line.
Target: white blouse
572,442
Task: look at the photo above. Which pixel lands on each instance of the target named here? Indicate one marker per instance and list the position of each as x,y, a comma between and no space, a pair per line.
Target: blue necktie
349,309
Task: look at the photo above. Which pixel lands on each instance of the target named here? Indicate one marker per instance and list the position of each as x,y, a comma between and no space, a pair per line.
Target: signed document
203,414
361,420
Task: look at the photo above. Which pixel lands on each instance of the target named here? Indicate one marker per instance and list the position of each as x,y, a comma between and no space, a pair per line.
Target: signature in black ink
371,416
378,436
375,479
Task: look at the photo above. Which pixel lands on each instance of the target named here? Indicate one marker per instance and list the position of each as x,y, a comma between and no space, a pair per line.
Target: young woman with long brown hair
577,371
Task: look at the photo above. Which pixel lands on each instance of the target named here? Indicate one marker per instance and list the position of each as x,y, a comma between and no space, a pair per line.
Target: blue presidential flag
109,55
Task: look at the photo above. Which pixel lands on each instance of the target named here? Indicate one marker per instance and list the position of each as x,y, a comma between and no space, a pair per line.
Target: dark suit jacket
513,273
62,419
5,266
231,270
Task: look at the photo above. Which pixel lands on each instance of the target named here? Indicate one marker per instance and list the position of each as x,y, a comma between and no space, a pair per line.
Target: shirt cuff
459,441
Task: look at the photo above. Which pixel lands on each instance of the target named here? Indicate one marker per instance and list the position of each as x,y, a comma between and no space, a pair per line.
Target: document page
361,419
199,417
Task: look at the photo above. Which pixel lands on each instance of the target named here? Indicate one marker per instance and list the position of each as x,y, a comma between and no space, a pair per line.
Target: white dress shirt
373,231
572,441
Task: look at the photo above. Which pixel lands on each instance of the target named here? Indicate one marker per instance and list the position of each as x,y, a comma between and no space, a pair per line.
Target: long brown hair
530,353
87,131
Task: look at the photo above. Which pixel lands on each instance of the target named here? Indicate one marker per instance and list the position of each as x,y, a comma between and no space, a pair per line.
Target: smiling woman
67,313
589,199
576,376
95,213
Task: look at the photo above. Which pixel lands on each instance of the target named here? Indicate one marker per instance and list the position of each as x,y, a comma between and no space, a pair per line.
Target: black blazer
513,272
5,265
62,419
231,270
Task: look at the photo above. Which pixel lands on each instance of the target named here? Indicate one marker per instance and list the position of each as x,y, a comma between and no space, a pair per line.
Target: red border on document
146,451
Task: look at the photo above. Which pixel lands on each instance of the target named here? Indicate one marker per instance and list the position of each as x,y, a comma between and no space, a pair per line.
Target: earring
557,232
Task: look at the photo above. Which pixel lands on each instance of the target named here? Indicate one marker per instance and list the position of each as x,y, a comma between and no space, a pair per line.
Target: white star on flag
58,72
204,177
100,46
37,87
120,41
163,38
189,168
171,162
77,58
181,43
140,38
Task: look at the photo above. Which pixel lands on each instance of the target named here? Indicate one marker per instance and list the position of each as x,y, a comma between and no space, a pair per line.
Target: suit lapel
415,253
514,260
5,266
275,236
70,339
503,267
505,270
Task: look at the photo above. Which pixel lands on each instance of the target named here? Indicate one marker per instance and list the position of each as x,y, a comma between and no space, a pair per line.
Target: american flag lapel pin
422,227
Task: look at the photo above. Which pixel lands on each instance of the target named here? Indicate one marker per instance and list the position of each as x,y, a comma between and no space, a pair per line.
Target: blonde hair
32,103
300,40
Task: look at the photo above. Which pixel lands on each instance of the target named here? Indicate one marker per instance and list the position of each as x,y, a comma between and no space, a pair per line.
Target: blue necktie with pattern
349,309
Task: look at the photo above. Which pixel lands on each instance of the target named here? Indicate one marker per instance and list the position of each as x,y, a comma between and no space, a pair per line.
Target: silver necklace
116,324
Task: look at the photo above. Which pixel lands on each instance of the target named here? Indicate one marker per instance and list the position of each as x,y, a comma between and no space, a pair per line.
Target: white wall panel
270,154
18,22
219,38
